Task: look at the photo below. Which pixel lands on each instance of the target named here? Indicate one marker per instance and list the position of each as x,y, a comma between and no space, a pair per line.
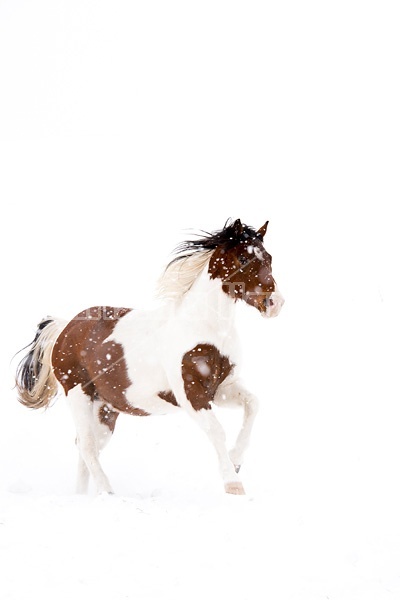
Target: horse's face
246,271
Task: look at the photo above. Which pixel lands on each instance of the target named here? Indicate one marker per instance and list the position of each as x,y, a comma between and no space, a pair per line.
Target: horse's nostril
268,302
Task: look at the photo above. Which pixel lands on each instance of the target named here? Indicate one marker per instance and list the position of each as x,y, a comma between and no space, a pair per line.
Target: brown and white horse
181,355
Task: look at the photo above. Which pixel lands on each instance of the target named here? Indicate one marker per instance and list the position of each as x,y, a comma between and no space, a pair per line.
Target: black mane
233,233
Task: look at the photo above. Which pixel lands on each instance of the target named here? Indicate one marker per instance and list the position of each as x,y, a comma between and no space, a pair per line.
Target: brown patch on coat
168,397
82,357
204,368
245,271
108,417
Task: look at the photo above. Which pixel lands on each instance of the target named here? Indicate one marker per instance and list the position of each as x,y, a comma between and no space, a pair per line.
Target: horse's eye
242,259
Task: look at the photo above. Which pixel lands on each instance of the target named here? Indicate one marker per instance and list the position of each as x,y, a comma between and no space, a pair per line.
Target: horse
181,354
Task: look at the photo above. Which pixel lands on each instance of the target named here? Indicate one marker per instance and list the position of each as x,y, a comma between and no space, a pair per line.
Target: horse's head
245,268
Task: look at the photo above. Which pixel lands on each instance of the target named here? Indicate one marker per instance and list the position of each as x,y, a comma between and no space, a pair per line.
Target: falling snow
187,114
202,367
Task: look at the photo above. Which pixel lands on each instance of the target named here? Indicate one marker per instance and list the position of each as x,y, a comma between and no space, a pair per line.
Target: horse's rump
83,355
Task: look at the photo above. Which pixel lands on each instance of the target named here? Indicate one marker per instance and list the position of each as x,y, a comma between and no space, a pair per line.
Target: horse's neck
206,302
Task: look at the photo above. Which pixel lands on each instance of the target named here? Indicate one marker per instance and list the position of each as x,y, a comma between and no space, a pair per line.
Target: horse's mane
191,256
180,275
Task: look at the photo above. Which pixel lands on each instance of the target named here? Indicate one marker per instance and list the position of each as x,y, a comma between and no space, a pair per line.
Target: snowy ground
122,124
320,519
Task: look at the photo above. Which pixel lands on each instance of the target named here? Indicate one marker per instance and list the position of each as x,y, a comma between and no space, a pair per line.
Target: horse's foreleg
235,395
195,398
207,420
81,406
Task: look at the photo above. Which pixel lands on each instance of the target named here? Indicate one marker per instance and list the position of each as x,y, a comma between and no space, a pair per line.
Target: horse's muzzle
273,304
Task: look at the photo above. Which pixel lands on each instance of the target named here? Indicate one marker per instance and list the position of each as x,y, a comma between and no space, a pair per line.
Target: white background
122,126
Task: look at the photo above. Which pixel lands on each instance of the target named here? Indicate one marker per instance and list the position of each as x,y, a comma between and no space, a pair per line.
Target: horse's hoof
235,487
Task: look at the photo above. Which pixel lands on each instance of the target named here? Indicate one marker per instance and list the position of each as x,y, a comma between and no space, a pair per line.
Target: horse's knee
251,404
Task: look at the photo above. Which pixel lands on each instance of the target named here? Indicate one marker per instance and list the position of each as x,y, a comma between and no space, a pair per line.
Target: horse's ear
262,231
238,227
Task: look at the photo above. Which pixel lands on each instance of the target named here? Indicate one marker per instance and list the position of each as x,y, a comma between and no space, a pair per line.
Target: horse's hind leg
104,420
234,394
89,440
82,479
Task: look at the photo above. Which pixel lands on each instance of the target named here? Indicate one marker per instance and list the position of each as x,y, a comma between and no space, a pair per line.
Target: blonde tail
35,380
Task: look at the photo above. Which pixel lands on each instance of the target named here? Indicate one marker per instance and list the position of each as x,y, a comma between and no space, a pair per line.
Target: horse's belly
140,336
149,390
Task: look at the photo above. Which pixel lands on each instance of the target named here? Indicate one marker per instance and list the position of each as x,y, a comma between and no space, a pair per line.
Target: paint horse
181,355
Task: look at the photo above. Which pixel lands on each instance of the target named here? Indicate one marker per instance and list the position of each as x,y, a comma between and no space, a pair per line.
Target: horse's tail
35,381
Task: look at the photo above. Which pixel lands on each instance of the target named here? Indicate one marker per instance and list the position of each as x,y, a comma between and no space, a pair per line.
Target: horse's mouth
268,302
271,306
